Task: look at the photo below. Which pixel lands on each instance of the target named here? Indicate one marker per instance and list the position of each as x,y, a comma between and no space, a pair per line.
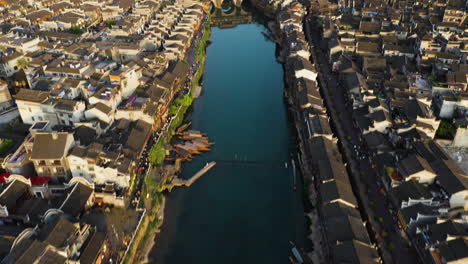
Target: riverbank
314,233
152,198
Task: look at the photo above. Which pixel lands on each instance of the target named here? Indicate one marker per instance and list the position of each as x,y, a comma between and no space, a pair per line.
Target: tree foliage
446,129
185,100
76,30
5,146
435,80
22,63
157,153
109,23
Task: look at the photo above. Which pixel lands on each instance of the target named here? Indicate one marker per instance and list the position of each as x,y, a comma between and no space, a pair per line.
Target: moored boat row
189,143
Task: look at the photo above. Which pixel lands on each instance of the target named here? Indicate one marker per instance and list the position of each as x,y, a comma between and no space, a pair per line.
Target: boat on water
188,148
194,133
183,127
201,147
296,253
184,154
191,137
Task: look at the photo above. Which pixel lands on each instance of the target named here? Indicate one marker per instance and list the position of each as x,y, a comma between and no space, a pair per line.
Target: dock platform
181,182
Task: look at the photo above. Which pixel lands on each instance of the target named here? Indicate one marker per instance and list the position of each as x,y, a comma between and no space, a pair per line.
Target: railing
133,237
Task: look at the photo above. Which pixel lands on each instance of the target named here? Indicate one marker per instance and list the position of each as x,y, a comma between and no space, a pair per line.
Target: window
60,170
47,171
32,118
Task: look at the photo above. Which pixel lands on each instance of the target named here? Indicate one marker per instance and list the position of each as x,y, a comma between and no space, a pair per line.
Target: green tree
446,129
6,145
434,80
185,101
157,153
22,63
109,23
76,30
173,109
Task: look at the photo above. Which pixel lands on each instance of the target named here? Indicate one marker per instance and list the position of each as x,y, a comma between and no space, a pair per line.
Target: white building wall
461,138
423,177
30,112
310,75
459,199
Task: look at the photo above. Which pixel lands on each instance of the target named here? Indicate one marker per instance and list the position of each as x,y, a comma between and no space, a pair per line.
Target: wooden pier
176,181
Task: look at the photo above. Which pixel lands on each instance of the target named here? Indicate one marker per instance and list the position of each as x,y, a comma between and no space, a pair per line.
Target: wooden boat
183,127
190,149
187,137
203,141
196,132
192,133
182,153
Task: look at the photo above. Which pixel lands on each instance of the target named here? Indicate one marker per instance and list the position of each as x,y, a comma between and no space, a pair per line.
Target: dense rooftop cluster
343,230
402,66
91,81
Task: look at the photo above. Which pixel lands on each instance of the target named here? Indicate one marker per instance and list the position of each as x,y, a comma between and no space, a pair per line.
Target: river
245,209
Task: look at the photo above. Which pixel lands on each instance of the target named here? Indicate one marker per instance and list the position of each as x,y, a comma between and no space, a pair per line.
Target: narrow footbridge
259,163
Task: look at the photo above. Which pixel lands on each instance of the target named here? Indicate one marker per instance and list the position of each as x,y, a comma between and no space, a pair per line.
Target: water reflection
230,14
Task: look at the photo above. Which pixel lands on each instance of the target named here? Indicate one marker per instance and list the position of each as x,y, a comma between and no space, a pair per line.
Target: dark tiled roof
319,125
412,212
138,136
67,105
34,208
354,252
31,253
58,232
51,256
339,210
409,190
85,135
454,250
376,140
440,232
11,193
103,108
333,190
76,199
91,252
452,182
47,147
345,229
413,164
32,95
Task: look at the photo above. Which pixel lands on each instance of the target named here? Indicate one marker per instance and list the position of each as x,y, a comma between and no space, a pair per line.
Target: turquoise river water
244,210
